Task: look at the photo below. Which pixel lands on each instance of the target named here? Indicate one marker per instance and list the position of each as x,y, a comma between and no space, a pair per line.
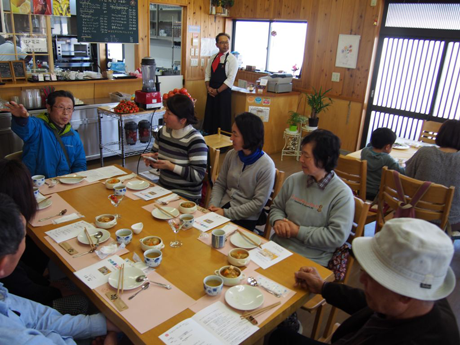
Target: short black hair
326,148
222,34
182,106
449,135
11,226
251,128
15,181
51,99
381,137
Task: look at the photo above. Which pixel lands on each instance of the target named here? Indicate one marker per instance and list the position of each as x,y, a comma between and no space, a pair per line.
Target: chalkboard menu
107,21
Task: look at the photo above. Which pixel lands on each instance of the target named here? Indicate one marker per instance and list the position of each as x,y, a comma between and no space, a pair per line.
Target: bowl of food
112,182
187,207
106,221
151,242
238,257
230,274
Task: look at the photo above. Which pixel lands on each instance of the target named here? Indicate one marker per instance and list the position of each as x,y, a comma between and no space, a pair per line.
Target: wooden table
185,267
217,141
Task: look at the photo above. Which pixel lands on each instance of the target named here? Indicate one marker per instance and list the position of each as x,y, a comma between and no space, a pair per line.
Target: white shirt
8,48
231,68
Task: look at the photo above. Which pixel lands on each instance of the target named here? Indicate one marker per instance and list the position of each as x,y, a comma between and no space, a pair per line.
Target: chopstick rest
68,248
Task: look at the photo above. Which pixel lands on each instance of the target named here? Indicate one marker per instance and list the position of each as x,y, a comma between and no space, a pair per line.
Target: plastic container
144,131
131,132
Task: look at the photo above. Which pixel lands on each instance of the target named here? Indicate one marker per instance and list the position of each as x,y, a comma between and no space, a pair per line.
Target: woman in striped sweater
180,150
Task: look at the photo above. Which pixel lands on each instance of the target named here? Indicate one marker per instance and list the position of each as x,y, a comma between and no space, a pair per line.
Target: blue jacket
26,322
42,153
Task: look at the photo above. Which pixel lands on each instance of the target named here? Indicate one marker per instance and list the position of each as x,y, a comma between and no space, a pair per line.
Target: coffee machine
149,97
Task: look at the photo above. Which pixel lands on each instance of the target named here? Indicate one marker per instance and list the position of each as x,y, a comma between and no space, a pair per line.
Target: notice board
107,21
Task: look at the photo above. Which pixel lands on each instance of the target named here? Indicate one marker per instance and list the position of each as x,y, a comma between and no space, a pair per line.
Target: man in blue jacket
51,147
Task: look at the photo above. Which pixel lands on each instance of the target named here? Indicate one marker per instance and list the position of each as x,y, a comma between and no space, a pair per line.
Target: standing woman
180,149
247,175
441,165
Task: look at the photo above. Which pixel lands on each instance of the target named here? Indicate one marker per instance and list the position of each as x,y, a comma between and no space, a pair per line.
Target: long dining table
184,267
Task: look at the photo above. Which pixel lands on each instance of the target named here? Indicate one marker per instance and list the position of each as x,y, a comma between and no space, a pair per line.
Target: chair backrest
353,172
429,131
14,156
211,174
434,205
279,180
220,131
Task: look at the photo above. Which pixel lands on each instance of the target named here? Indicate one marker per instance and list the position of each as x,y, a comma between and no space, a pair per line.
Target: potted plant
216,6
294,120
227,4
318,103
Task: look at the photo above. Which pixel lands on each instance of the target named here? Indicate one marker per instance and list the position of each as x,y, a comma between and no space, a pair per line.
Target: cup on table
124,236
213,285
187,220
38,180
119,189
153,257
218,238
36,192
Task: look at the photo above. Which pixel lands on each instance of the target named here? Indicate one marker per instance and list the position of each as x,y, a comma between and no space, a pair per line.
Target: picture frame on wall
18,68
6,72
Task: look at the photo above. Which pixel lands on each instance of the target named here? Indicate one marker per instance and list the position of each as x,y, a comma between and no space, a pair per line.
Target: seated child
377,155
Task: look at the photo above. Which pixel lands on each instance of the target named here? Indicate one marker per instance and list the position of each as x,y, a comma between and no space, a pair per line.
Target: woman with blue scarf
247,175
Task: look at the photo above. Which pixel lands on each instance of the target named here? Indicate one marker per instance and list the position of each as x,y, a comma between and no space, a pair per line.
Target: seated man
51,147
406,278
26,322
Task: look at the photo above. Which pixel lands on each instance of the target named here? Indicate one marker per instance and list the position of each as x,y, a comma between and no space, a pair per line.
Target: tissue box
119,96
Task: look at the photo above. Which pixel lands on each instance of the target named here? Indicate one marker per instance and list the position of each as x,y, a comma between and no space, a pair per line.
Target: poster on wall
262,112
208,47
43,7
347,51
61,8
20,6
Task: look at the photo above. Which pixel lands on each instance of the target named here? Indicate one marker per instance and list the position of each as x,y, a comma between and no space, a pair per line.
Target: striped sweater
186,149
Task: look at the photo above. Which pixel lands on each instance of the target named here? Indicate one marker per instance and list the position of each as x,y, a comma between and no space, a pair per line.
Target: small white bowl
230,281
187,210
38,180
238,262
147,247
106,225
112,182
137,228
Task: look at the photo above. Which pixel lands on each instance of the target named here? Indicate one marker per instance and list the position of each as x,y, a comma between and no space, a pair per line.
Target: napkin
68,218
168,198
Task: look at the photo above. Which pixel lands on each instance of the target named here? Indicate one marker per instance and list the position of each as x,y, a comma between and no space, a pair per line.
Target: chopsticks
90,240
249,239
257,312
46,198
164,211
121,277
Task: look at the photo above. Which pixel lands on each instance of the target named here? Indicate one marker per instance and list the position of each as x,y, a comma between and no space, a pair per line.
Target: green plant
216,3
227,3
295,118
317,102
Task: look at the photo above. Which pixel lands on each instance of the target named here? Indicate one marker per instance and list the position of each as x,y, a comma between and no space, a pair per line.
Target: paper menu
270,254
152,193
98,273
216,324
67,232
101,173
209,221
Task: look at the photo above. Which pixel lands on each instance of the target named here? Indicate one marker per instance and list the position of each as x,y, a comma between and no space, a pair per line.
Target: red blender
149,97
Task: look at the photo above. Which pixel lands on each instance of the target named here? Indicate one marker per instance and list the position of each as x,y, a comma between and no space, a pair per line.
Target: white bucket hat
410,257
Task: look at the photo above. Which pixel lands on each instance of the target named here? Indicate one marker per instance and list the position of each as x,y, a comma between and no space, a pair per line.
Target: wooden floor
289,165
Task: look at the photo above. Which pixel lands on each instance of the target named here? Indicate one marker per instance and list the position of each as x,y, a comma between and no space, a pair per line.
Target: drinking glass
175,224
115,199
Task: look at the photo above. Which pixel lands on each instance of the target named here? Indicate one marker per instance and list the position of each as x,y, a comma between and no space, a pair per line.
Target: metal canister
144,131
131,132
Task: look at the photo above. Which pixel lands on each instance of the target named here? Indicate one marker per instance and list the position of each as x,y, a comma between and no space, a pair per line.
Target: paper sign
67,232
98,274
270,254
209,221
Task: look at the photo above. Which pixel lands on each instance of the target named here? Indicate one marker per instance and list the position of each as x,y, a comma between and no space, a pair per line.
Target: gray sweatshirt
325,216
247,191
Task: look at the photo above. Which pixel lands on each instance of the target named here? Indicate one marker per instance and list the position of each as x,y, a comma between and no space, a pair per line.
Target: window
115,51
271,45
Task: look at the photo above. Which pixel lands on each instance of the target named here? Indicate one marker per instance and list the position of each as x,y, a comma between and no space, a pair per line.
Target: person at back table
406,277
441,165
26,322
377,155
247,175
51,147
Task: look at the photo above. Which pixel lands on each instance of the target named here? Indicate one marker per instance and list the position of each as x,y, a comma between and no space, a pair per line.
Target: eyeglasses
63,109
223,42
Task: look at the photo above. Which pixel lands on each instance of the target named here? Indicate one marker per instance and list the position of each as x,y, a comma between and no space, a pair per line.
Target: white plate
82,237
137,185
129,280
45,204
398,146
239,241
71,180
244,297
156,213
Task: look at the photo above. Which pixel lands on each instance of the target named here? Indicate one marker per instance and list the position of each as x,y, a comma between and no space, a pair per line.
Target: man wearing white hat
406,277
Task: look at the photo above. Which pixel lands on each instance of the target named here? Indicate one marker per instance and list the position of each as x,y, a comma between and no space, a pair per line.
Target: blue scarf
251,159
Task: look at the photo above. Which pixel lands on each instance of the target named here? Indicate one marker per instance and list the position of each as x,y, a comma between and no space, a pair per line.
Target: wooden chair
429,131
317,303
14,156
211,175
220,131
279,180
434,205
